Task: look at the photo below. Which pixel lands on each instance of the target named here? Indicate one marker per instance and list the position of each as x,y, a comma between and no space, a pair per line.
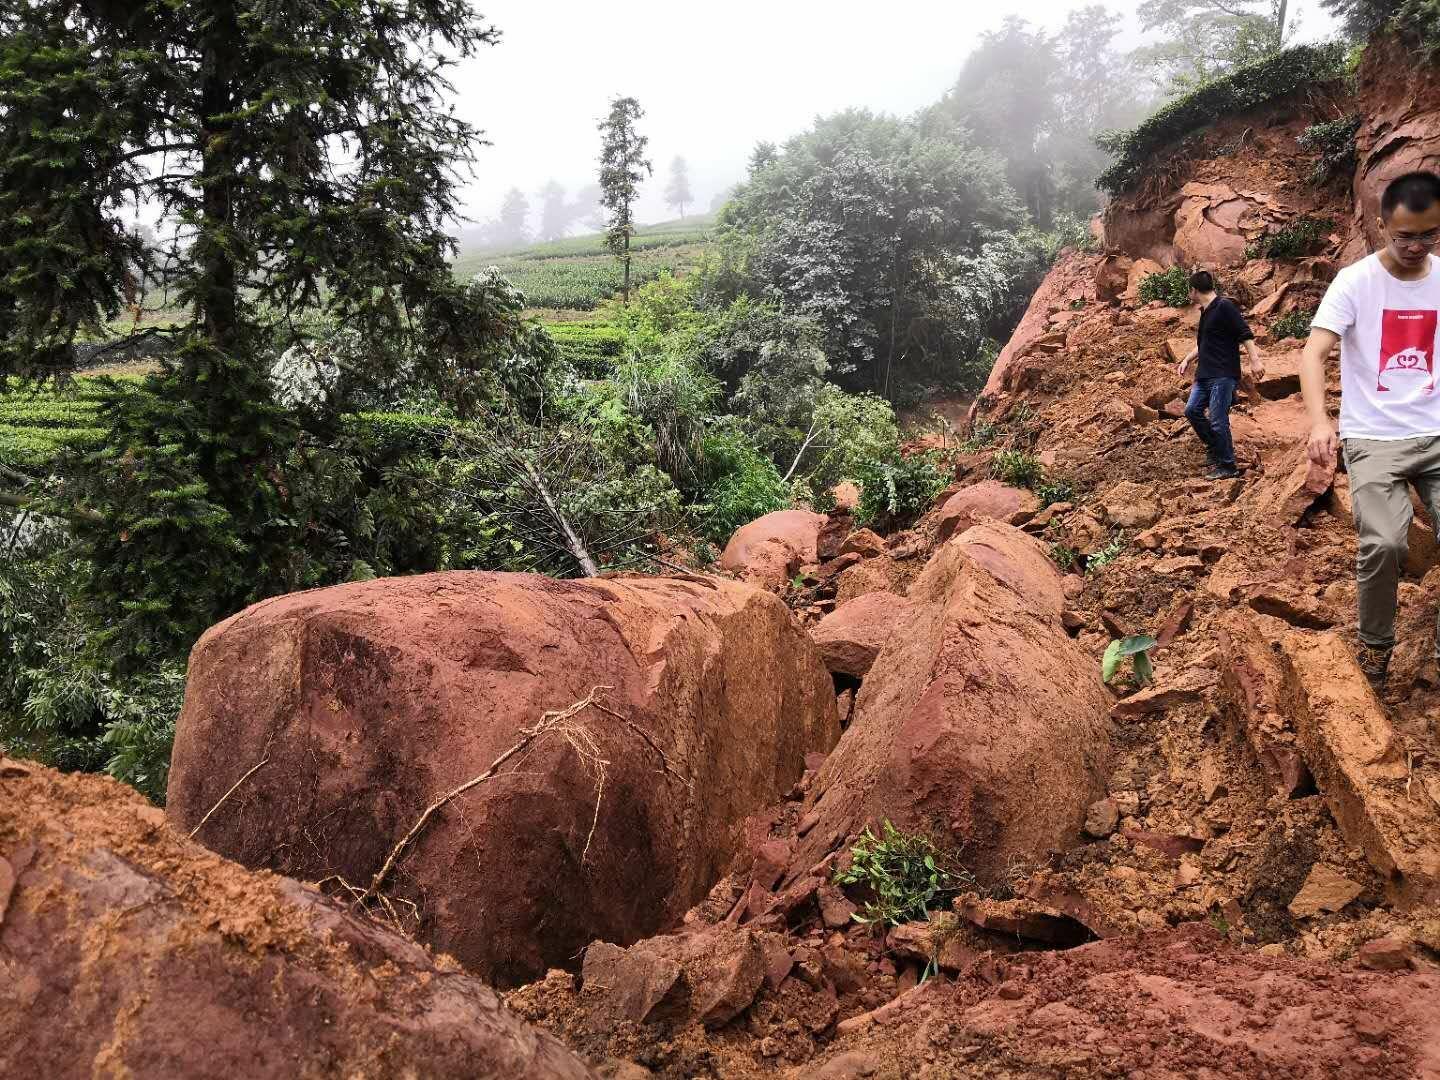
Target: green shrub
1017,468
1171,287
1293,324
1106,555
906,875
1066,558
982,434
1139,150
1304,236
1137,647
1055,491
895,492
743,485
1335,143
591,348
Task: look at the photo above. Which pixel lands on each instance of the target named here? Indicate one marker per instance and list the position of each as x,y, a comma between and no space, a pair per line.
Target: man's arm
1189,359
1323,441
1257,362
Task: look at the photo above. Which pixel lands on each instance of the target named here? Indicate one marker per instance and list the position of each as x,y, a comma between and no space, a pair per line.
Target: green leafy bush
743,484
1105,555
1295,69
1065,557
1171,287
1051,492
1293,324
1335,143
906,875
591,348
1017,468
1304,236
897,491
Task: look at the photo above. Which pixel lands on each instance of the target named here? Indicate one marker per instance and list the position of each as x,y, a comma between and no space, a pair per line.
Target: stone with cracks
851,636
980,721
1285,497
371,700
130,951
710,976
989,500
1253,681
1362,767
769,550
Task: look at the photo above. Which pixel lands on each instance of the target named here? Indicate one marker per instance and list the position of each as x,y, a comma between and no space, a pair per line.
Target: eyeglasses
1429,239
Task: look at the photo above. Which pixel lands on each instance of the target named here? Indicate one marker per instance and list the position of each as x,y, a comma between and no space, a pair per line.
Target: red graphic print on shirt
1407,347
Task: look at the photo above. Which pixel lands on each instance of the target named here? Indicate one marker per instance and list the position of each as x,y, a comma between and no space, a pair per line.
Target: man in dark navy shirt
1218,338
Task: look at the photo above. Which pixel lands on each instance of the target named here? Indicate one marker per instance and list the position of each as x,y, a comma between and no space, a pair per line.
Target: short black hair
1202,281
1418,191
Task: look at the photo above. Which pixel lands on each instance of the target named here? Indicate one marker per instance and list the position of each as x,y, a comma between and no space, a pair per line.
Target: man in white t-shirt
1383,310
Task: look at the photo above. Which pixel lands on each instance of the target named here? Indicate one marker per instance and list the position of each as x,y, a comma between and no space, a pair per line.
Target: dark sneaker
1222,472
1375,663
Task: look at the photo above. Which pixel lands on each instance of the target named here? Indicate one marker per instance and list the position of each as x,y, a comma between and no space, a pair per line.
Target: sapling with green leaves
1137,647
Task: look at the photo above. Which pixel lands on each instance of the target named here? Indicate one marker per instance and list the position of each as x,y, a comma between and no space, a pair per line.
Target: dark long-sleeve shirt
1222,329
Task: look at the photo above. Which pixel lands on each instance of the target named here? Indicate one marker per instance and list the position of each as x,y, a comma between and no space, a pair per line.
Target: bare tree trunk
625,294
573,544
1280,24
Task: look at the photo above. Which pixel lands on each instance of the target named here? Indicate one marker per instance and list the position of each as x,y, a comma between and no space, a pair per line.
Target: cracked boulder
370,701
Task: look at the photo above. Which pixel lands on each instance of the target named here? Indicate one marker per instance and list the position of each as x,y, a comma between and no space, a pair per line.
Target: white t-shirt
1387,350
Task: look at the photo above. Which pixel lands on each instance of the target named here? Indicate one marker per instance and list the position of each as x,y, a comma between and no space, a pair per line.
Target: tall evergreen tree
554,213
512,228
677,194
623,165
302,159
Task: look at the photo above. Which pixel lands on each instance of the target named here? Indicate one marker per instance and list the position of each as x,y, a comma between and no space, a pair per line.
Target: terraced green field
36,425
577,273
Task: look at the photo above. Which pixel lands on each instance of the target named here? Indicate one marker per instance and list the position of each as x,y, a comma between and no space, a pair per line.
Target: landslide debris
128,950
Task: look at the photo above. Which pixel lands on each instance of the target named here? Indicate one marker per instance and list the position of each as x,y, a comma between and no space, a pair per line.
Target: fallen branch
578,737
253,769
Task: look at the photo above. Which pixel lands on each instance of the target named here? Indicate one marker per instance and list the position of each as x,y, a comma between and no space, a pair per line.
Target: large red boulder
769,550
369,701
981,722
127,950
989,500
1399,131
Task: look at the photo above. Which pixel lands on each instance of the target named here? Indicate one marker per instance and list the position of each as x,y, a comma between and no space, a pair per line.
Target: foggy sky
713,78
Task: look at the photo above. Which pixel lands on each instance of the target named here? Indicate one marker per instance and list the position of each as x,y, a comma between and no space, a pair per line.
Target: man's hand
1257,369
1182,367
1324,444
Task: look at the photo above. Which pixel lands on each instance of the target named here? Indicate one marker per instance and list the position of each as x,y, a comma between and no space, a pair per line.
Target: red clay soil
372,700
129,951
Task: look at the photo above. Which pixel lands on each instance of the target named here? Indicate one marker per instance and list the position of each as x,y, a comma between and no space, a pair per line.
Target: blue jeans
1209,414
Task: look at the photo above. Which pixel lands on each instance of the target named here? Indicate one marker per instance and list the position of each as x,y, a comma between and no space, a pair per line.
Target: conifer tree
623,166
300,160
677,194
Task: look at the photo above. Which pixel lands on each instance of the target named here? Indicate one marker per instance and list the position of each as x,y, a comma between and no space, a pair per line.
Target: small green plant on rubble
1293,324
1017,468
1137,647
1051,492
1335,143
1172,287
1065,557
905,873
1304,236
1106,555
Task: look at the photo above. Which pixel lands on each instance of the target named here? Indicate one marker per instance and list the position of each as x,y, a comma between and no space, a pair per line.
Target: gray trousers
1379,470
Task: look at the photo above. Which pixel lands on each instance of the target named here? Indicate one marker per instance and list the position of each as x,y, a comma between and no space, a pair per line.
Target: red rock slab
852,635
989,500
980,720
1370,781
769,550
1252,679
